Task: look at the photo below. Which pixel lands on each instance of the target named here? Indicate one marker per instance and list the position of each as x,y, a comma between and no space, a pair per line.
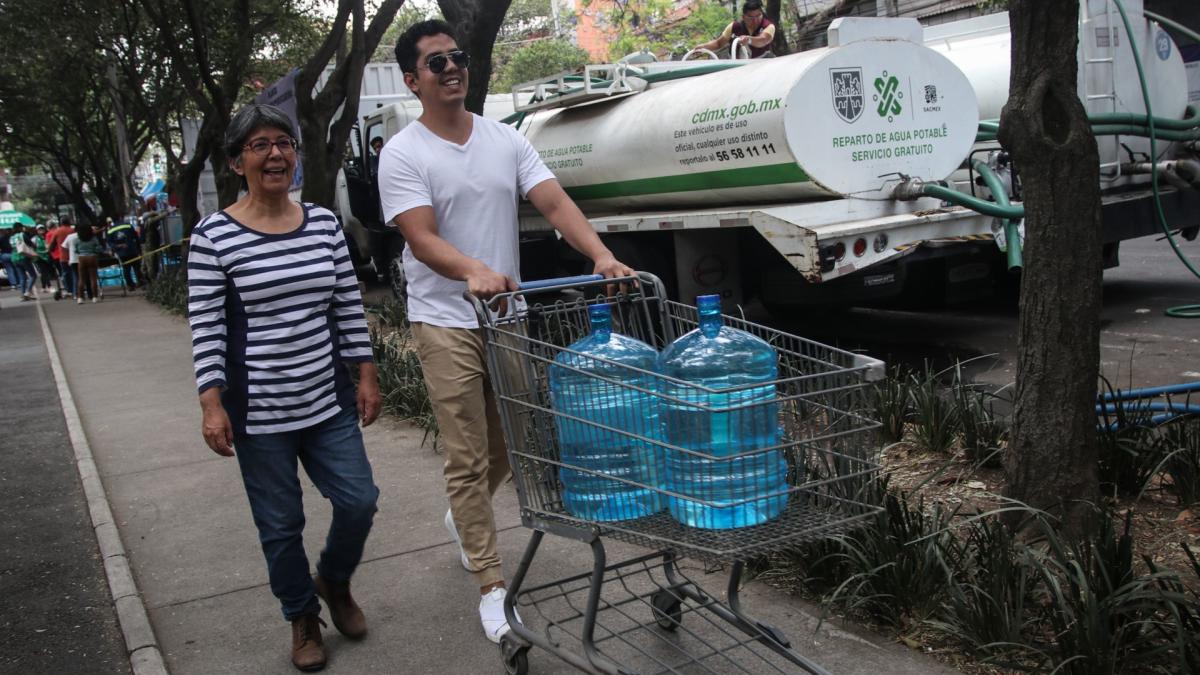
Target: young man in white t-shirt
451,181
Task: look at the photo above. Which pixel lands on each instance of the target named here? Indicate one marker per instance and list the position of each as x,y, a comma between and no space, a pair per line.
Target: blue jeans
68,276
26,276
334,458
10,270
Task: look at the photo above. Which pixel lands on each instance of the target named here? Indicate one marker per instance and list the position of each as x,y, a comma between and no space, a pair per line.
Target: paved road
56,615
1140,346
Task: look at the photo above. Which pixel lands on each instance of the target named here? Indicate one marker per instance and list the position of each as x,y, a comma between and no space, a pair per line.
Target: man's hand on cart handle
485,283
607,266
215,425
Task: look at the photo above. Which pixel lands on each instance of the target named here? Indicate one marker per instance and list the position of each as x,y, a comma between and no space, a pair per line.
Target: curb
145,658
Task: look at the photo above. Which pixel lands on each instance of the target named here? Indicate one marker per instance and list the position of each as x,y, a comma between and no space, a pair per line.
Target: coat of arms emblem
846,85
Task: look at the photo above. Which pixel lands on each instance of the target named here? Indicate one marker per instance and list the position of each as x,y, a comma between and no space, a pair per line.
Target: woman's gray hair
251,117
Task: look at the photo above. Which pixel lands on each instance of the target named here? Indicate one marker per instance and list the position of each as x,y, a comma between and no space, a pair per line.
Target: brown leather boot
308,649
346,614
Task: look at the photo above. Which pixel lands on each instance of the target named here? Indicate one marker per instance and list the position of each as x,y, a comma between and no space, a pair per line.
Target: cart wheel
515,655
668,610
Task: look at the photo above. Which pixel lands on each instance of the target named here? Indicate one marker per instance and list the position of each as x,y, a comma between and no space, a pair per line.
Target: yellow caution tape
146,253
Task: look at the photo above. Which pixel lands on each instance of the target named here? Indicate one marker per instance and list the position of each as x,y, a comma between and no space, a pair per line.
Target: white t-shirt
473,189
71,243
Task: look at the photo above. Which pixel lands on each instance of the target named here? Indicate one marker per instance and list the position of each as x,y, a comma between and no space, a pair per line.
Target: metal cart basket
629,617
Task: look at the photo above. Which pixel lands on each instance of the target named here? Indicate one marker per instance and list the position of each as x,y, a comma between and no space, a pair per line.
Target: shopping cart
111,273
629,617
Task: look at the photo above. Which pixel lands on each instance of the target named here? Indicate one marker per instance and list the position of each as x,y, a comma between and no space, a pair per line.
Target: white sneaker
453,530
79,301
491,614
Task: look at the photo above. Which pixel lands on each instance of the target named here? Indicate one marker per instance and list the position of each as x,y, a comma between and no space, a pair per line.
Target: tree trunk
326,137
774,12
189,179
478,23
1052,455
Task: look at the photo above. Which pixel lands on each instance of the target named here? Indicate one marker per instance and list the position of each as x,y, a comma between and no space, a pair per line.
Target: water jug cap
709,302
600,310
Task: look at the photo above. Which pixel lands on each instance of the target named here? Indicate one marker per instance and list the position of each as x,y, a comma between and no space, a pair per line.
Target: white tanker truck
800,179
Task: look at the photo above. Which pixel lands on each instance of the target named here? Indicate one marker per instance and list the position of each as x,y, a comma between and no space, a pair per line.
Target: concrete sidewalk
186,526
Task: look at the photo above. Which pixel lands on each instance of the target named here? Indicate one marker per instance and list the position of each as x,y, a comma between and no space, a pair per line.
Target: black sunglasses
437,63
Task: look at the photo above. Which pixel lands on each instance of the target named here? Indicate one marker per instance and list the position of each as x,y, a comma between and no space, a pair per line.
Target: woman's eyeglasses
438,62
262,146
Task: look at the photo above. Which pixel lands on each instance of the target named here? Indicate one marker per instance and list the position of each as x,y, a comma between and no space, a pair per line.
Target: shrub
169,290
936,419
1180,449
401,381
891,401
990,597
983,432
1100,616
891,568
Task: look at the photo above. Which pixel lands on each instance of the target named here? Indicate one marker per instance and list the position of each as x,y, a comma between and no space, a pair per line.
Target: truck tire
395,276
361,270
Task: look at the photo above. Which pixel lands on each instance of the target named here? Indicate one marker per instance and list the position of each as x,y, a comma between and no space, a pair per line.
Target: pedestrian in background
45,270
6,251
123,242
58,253
23,256
88,247
277,322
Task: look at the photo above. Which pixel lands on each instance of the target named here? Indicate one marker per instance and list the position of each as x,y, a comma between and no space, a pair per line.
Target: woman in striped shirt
276,322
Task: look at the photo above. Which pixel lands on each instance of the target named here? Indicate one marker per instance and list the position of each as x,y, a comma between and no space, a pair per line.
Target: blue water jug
595,386
741,415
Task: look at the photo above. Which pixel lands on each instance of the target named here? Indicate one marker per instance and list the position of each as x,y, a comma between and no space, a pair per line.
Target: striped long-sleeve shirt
274,317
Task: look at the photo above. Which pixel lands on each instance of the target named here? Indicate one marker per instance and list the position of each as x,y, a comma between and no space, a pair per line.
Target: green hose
1191,120
986,134
1147,132
1187,32
1181,311
1008,212
1012,234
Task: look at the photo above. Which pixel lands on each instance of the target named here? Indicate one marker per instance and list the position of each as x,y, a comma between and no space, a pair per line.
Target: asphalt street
56,614
1140,345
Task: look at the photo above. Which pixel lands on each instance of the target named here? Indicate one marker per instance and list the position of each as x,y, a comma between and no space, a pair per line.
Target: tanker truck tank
1108,80
843,121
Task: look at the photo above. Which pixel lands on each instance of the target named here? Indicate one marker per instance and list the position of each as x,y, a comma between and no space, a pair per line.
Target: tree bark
1052,455
478,23
774,12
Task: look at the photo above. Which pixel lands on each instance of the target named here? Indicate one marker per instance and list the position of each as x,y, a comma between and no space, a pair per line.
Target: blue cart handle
561,281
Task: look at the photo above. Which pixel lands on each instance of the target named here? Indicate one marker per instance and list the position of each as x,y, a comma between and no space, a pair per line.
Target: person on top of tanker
755,31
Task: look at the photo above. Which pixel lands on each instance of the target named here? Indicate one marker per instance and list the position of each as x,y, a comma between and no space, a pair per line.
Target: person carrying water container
451,181
755,31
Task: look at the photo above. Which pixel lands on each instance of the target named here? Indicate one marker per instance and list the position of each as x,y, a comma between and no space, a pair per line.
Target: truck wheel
396,278
360,270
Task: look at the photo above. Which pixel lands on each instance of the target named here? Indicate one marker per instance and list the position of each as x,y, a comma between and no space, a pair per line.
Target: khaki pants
455,368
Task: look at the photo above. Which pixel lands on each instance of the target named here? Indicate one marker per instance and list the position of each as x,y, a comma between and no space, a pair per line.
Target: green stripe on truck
772,174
